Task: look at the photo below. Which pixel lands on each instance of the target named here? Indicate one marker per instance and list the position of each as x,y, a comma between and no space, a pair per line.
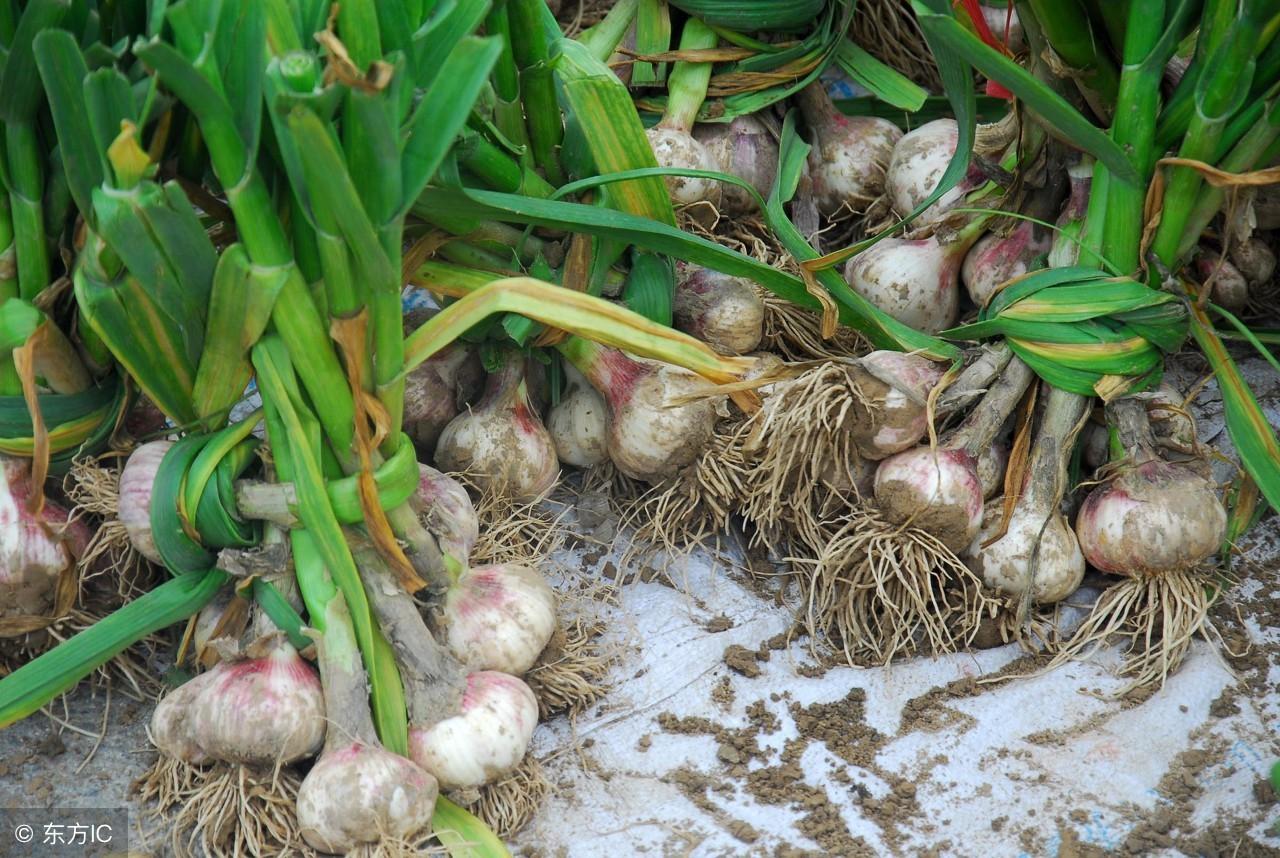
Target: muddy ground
725,736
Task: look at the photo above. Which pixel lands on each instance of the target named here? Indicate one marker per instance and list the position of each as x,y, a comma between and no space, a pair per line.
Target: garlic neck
1129,417
346,687
433,680
984,422
1064,415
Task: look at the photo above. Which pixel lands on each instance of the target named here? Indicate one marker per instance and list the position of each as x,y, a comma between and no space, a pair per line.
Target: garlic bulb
261,710
996,259
359,793
742,148
1151,516
1254,259
484,741
446,512
913,280
893,390
919,159
499,617
135,496
677,148
937,491
1230,289
725,312
941,490
431,394
1038,556
850,155
34,549
501,441
649,437
577,423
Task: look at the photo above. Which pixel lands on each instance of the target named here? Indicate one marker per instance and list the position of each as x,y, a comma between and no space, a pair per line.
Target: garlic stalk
501,441
671,139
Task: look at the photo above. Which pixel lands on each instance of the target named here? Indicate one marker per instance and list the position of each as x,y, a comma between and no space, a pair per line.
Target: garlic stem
433,679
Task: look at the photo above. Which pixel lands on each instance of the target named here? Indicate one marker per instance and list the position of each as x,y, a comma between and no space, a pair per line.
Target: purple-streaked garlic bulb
850,154
725,312
257,711
891,414
35,548
431,394
501,441
996,259
446,512
1149,517
941,490
578,423
358,792
744,148
650,436
914,280
486,739
136,481
1038,557
498,617
260,710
